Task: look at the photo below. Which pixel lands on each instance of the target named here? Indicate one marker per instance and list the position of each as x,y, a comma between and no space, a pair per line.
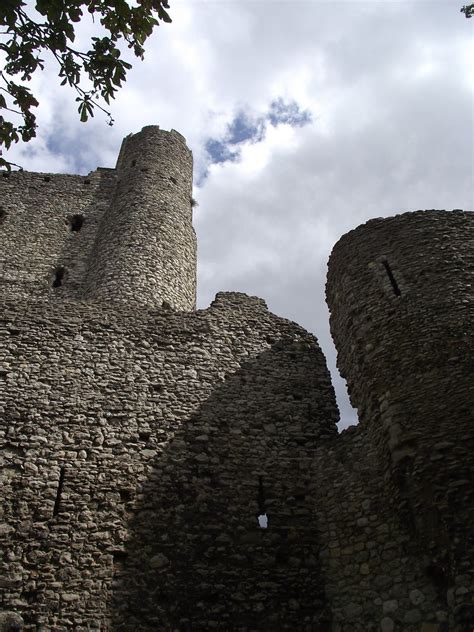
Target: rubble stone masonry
143,441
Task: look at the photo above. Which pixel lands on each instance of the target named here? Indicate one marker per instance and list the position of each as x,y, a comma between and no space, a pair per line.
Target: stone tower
145,249
401,296
121,235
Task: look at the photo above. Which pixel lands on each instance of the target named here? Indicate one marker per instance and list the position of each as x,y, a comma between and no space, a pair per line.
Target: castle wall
134,470
374,576
139,449
118,235
401,301
37,212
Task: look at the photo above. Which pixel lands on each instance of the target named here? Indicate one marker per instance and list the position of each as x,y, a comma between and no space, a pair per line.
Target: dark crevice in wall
391,277
58,276
437,572
57,504
3,214
261,514
76,223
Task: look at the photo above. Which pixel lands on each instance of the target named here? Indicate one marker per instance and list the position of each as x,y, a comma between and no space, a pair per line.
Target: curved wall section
136,467
401,300
145,251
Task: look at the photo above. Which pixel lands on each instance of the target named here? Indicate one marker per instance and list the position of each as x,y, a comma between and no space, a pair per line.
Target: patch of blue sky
221,151
240,130
244,129
81,159
288,112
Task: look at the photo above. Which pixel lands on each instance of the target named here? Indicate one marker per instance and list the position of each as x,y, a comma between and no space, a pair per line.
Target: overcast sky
306,118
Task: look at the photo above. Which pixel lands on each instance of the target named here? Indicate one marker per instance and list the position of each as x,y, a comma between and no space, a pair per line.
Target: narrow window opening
76,223
87,181
119,557
47,179
3,214
126,495
57,504
392,279
58,276
263,521
134,162
438,576
261,514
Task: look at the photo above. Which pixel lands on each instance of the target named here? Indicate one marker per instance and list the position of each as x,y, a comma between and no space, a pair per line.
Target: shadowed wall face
401,296
136,467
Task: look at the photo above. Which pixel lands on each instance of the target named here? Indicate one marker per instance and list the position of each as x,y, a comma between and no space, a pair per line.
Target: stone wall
401,298
134,470
38,246
139,449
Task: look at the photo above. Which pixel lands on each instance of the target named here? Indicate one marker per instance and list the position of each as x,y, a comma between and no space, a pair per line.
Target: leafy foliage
468,10
27,33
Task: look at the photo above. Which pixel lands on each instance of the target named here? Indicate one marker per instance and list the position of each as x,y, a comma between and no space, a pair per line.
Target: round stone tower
400,291
145,251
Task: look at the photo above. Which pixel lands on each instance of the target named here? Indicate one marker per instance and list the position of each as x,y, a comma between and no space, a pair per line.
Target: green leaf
126,22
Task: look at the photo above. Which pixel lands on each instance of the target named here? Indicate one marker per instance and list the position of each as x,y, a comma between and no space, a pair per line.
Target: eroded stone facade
142,439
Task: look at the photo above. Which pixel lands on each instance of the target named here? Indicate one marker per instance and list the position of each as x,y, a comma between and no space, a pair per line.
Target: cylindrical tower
400,291
145,251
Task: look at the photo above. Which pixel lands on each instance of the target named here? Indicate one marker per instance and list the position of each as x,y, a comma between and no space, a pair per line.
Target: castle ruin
143,441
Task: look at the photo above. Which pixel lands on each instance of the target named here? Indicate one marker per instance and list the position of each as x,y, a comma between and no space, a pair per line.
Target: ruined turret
145,249
401,299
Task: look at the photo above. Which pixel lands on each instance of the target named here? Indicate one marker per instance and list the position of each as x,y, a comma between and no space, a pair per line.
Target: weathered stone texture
136,458
36,237
145,250
136,243
401,297
141,439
